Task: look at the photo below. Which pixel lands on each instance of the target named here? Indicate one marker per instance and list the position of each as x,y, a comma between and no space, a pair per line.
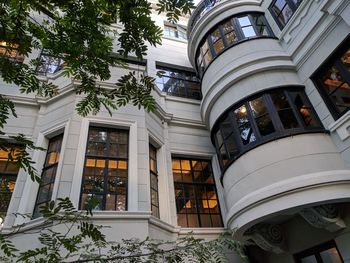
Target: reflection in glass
262,117
331,256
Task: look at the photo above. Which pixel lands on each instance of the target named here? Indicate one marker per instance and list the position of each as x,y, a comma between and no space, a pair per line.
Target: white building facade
251,132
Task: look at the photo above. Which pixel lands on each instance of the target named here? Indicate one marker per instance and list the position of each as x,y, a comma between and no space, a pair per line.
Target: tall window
333,81
154,180
283,10
325,253
196,200
8,176
106,169
48,174
178,83
260,118
10,51
177,31
48,63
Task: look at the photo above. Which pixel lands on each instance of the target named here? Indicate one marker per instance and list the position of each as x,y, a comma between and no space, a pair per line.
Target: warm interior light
209,204
243,110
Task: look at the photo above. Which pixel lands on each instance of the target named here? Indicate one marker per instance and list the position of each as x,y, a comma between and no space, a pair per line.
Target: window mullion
238,29
273,114
295,111
252,121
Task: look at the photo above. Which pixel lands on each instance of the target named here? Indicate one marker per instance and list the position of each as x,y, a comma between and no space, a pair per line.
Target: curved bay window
228,33
333,81
195,193
106,169
261,118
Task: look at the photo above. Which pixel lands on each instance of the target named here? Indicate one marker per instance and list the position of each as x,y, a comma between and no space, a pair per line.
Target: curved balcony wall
212,15
285,174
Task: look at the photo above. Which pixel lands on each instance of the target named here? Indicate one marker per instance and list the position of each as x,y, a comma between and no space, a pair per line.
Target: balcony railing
203,7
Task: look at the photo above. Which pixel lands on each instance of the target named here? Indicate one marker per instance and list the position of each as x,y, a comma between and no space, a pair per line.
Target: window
195,193
332,80
10,51
8,176
48,63
179,83
261,118
106,169
154,180
228,33
48,174
325,253
177,31
283,10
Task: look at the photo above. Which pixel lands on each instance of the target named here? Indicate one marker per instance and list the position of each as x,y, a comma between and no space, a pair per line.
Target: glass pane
246,132
244,21
262,117
248,31
192,220
331,256
218,46
110,202
216,221
305,110
345,59
182,220
285,15
309,259
215,35
231,37
332,80
121,203
284,110
205,220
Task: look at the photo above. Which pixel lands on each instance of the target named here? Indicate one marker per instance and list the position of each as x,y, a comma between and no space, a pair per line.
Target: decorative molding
323,216
268,237
342,126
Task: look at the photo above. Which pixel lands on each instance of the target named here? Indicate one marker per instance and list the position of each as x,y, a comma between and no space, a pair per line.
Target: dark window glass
283,10
324,253
195,194
179,83
333,81
8,177
48,174
10,51
244,127
106,169
154,180
228,33
268,116
48,63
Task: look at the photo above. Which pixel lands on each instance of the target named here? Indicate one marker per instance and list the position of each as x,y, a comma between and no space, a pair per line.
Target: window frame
105,174
332,60
46,53
154,174
194,186
290,3
279,132
46,167
13,148
183,73
176,29
316,250
239,34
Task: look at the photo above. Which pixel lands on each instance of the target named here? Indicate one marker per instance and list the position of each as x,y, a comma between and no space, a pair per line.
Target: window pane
305,110
345,59
218,46
331,256
244,21
284,110
246,132
309,259
262,117
248,31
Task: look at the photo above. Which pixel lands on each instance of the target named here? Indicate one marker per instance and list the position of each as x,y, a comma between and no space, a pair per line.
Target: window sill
342,126
175,39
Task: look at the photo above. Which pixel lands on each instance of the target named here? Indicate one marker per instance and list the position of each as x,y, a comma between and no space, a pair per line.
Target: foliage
82,241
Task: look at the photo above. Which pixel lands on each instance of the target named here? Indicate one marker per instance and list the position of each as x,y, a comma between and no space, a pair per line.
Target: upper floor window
283,10
333,80
48,63
195,193
177,31
105,174
8,176
179,83
48,175
228,33
260,118
154,180
325,253
10,51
